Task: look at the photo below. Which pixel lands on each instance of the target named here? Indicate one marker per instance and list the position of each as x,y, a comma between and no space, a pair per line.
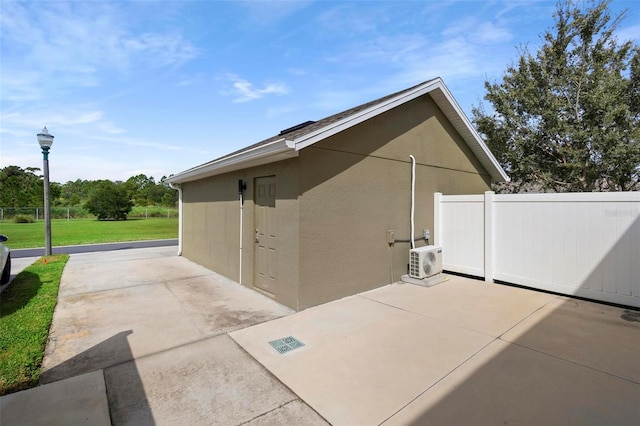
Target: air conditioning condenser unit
425,261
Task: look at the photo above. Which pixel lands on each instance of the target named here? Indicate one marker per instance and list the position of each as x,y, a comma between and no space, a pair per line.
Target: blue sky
130,87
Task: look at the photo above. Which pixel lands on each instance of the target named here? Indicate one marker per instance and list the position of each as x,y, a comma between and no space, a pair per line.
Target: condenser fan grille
429,263
425,261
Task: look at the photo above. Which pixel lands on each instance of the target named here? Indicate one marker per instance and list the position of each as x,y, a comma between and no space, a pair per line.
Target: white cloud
159,49
51,46
188,80
477,31
36,119
115,140
19,86
244,91
350,19
490,33
297,71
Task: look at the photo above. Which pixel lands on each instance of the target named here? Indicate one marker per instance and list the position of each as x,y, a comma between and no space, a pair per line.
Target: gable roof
289,142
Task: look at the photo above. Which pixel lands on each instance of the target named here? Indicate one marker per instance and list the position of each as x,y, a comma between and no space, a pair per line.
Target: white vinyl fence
582,244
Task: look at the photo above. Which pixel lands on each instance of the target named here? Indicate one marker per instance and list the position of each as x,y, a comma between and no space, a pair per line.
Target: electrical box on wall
391,237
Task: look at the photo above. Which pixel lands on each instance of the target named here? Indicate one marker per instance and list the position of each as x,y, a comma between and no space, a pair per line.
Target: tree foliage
567,118
109,200
24,188
21,187
144,191
75,193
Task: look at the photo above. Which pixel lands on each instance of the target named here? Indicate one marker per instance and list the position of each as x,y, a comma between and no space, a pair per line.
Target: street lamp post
46,140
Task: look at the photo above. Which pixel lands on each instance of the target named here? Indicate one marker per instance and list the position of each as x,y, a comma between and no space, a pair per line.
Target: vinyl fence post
488,236
437,200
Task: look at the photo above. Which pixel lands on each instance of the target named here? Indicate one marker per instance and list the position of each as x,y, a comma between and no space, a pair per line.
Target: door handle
257,237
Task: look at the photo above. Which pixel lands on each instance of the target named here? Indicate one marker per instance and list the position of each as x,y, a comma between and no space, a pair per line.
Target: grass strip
88,231
26,312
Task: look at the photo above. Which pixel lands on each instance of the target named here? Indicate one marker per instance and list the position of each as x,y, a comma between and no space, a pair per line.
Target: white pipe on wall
241,207
413,197
178,187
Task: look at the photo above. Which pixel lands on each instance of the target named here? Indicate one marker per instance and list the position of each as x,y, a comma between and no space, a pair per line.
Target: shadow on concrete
106,354
561,370
16,297
559,366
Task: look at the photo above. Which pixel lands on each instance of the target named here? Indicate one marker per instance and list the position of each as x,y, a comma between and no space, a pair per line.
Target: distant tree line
103,198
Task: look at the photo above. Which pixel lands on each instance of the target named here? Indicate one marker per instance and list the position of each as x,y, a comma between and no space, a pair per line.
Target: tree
144,191
75,193
568,117
109,200
21,187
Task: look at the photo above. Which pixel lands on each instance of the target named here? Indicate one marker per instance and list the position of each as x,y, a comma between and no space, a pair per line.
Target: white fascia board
447,104
350,121
469,133
280,149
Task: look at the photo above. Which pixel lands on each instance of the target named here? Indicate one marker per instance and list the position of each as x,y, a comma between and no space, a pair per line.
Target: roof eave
280,149
352,120
283,148
445,101
461,123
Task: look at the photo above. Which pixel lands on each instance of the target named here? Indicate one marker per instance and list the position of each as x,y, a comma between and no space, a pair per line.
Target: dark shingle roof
313,126
287,143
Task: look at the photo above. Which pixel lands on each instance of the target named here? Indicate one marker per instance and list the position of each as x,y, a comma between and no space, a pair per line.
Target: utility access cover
286,344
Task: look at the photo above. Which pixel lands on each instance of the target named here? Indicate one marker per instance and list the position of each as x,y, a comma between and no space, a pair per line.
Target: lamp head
45,139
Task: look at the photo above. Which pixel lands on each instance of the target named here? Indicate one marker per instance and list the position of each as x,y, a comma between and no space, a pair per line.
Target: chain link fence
69,213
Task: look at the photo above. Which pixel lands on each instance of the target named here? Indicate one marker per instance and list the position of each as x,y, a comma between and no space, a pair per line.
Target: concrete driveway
146,337
139,338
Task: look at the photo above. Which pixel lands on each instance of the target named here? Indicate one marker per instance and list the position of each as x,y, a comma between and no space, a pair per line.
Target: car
6,261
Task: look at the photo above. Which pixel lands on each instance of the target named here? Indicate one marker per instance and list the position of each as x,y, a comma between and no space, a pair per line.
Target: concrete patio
146,337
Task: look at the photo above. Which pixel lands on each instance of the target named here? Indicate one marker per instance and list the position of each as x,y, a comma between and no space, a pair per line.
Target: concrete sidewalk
146,337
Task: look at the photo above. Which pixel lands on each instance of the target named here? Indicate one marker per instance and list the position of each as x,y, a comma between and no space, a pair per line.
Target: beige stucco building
311,224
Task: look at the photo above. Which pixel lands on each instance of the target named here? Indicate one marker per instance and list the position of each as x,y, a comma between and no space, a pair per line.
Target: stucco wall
211,227
356,185
334,204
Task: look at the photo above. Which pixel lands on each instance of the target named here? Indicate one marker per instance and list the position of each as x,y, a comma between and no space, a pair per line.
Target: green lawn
26,311
88,231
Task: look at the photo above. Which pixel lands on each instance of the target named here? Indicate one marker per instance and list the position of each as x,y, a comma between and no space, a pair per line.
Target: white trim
470,135
178,188
357,118
282,148
241,236
263,154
